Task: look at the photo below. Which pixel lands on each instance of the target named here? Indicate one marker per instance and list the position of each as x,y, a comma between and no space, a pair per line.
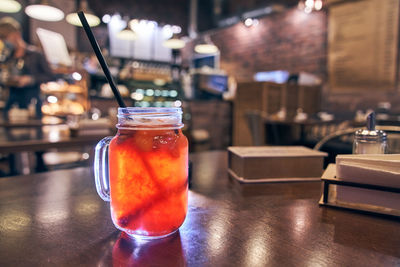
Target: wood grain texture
56,218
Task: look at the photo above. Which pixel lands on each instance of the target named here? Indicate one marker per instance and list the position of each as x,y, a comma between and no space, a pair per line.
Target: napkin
379,169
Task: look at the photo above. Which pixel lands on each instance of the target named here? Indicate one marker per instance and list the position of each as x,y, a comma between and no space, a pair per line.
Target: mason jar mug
143,172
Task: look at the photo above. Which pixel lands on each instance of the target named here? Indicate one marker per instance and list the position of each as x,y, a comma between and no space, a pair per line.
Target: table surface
56,218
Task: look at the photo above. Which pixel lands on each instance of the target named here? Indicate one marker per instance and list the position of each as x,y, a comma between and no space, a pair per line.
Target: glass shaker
370,140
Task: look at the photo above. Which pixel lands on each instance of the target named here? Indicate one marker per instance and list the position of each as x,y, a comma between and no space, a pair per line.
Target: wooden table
43,144
43,138
57,219
288,125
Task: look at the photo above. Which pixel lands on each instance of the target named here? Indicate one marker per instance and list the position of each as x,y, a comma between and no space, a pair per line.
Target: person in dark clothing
27,68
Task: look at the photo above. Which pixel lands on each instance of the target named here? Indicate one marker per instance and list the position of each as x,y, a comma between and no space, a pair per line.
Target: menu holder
329,196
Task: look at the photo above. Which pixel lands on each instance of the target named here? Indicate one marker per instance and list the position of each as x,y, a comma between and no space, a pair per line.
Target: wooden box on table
274,163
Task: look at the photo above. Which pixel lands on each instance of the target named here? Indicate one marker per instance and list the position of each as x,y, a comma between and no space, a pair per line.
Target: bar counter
57,219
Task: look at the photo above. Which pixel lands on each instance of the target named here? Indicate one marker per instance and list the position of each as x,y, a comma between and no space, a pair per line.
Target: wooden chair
255,124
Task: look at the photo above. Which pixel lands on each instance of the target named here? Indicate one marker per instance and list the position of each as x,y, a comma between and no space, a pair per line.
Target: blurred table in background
19,139
34,123
43,139
300,132
270,98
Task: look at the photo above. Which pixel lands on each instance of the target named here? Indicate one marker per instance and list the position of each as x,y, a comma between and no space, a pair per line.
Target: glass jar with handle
143,172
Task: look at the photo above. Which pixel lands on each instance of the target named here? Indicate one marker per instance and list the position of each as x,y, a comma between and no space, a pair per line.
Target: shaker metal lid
370,135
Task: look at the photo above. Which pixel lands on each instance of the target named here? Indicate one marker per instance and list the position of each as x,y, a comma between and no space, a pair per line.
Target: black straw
371,121
100,58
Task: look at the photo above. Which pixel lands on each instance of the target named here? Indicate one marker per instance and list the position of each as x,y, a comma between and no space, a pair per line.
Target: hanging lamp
44,11
9,6
127,34
174,42
93,20
309,6
206,46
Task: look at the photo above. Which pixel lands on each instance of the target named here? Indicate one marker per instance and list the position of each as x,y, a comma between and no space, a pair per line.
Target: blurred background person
26,66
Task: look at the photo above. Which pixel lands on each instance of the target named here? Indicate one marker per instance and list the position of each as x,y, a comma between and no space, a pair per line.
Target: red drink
148,172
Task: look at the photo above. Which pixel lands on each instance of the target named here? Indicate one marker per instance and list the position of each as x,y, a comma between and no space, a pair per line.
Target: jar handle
101,174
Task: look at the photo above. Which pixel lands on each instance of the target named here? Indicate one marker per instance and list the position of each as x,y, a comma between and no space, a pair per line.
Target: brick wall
293,41
288,41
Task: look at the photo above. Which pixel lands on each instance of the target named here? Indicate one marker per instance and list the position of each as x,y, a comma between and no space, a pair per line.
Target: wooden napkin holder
365,191
257,164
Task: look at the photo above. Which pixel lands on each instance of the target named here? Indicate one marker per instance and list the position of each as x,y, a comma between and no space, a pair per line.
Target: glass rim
148,110
149,118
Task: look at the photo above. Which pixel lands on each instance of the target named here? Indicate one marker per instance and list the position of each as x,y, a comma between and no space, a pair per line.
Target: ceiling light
142,26
318,5
206,49
176,29
127,34
92,19
167,31
206,46
106,18
250,22
73,19
9,6
134,24
151,25
174,43
310,5
43,11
